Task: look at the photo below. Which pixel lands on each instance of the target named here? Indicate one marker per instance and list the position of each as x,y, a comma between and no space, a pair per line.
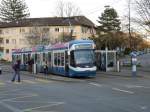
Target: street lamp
130,36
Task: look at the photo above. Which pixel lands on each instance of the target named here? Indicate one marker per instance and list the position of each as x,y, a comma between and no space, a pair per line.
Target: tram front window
82,58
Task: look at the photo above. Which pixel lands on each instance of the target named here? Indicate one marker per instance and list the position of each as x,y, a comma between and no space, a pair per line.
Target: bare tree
38,36
60,8
143,11
67,9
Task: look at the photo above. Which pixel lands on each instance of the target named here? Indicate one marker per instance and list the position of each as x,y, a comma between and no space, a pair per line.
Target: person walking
16,68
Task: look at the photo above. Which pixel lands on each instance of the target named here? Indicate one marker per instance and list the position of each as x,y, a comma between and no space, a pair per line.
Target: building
13,34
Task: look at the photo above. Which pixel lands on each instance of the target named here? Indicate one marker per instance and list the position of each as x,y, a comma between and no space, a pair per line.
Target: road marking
3,92
29,81
121,90
43,81
2,84
19,101
95,84
10,94
43,111
136,86
9,99
44,106
10,107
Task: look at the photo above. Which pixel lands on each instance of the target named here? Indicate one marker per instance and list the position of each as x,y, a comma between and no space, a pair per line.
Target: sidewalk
125,72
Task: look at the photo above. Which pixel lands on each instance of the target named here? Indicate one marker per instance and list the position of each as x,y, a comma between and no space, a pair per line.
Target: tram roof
80,41
52,47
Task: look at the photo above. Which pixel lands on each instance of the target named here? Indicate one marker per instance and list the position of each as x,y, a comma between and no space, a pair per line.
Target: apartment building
14,34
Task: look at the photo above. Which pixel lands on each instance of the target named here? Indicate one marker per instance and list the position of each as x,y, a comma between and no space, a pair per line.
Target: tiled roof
49,21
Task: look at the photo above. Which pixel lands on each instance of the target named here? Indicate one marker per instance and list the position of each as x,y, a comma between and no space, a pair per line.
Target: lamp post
130,36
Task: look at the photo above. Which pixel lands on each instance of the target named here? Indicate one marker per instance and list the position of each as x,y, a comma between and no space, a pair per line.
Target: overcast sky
90,8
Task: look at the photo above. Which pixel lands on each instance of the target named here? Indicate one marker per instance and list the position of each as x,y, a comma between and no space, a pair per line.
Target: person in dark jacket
30,65
16,68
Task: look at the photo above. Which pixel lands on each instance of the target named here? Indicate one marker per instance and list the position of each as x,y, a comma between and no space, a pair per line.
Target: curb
52,77
49,77
112,74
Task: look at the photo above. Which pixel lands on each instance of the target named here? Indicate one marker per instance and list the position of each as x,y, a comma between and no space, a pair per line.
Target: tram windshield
82,57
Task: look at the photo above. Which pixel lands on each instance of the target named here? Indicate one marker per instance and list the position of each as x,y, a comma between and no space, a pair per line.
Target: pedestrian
30,65
16,68
45,67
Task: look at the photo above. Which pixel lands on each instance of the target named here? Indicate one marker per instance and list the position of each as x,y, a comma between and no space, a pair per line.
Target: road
100,94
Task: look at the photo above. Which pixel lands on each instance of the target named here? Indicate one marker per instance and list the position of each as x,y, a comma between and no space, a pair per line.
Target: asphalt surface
104,93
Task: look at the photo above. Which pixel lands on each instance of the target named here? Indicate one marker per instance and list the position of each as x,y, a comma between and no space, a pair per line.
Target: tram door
66,62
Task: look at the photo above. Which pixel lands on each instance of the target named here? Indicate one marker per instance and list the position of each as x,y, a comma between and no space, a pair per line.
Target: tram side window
55,59
13,58
28,57
37,58
58,59
62,59
72,60
49,57
44,57
18,57
24,59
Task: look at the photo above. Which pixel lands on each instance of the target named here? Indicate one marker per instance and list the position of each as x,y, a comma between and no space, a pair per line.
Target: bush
127,51
3,60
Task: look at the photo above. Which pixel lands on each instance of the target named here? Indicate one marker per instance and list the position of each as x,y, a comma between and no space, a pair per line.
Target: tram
73,59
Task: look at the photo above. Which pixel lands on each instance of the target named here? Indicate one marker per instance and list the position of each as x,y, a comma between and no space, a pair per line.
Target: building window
84,30
1,41
7,41
91,31
22,30
1,49
1,32
45,30
22,41
13,41
56,29
7,51
6,31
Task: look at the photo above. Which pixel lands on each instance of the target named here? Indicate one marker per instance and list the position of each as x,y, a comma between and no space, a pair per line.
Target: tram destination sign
84,46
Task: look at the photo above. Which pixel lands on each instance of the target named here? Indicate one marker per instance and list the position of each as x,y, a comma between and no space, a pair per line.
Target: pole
130,36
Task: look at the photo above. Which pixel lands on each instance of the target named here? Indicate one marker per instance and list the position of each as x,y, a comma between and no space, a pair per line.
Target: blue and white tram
74,59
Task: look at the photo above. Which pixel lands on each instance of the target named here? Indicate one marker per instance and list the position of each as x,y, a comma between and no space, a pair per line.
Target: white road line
43,111
33,102
13,109
29,81
136,86
10,91
9,99
43,81
121,90
10,94
50,105
95,84
2,83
